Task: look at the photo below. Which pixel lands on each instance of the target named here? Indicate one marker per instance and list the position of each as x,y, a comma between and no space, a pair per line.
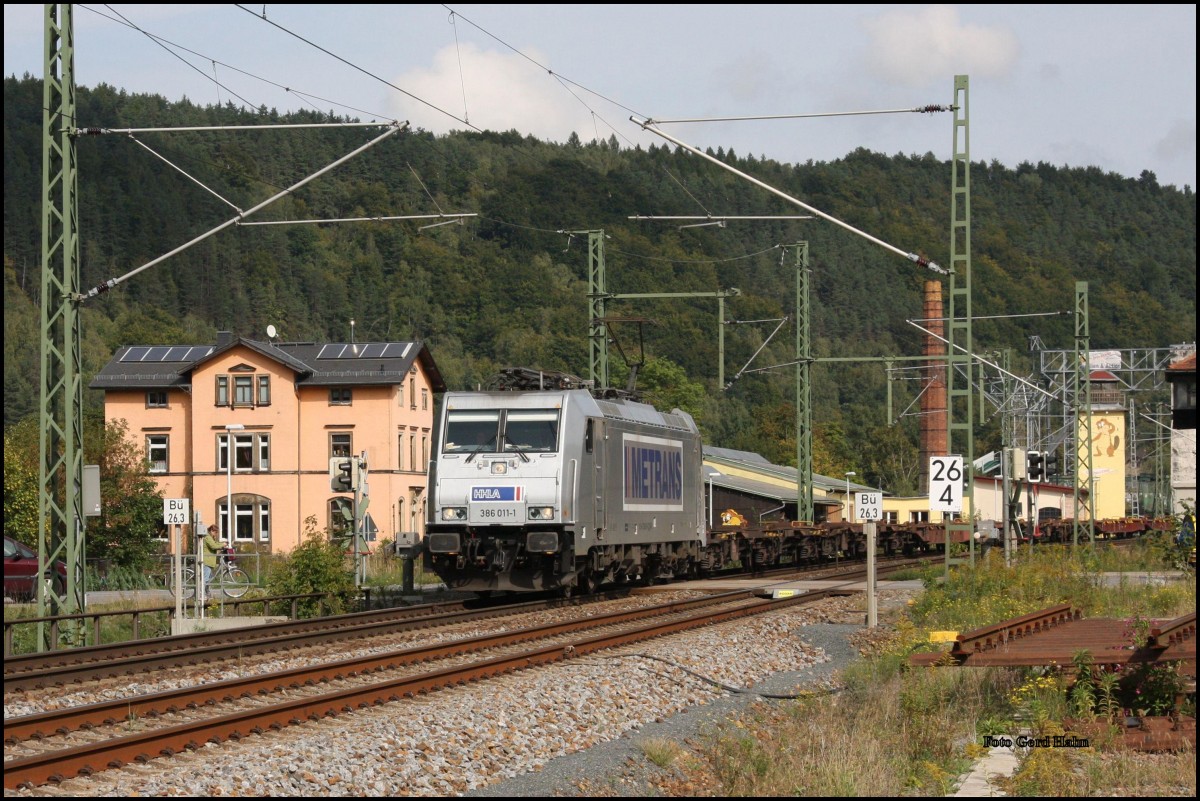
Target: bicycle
227,577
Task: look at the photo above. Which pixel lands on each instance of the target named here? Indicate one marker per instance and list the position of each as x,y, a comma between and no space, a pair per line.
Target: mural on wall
1108,461
1107,441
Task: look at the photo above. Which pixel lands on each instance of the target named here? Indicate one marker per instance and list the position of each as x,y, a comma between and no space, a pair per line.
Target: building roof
1185,365
748,460
783,494
315,364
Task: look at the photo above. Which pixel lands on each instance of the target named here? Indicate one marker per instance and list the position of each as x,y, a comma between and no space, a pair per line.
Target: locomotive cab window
471,431
531,430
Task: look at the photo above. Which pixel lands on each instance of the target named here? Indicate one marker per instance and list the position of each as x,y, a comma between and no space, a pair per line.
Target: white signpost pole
176,516
177,566
869,508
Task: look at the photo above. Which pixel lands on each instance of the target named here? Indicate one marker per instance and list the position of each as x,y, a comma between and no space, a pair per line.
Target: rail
101,628
1000,634
1174,632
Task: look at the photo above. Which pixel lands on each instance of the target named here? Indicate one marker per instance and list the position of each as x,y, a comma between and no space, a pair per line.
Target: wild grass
662,752
899,731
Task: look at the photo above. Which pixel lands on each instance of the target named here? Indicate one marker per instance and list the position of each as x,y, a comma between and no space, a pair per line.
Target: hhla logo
497,493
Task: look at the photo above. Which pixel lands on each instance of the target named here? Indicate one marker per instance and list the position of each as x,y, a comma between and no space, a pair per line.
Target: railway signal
1035,465
342,474
1050,464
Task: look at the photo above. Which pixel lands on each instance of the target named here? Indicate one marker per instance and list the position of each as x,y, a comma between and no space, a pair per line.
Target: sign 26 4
946,483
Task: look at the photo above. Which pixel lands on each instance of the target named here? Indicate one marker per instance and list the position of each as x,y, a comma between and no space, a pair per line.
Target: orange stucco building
285,410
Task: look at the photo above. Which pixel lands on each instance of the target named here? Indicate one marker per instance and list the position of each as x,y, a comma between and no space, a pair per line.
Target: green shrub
315,566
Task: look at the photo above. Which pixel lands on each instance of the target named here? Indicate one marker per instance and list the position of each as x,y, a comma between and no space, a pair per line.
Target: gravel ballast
540,732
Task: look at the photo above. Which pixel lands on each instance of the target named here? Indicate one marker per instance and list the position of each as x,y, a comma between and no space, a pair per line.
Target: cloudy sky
1089,85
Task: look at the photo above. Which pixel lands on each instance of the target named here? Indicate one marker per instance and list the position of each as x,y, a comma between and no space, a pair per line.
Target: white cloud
913,48
502,91
1178,143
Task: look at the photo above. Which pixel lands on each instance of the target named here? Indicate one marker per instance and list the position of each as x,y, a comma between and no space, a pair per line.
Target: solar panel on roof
331,351
134,354
176,354
365,350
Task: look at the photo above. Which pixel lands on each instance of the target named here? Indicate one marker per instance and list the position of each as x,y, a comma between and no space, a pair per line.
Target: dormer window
246,390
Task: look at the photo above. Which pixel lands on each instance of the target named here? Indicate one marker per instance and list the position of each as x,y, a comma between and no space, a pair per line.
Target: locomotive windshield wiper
514,446
482,447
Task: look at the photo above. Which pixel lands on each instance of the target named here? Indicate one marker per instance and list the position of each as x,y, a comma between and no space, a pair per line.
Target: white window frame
151,446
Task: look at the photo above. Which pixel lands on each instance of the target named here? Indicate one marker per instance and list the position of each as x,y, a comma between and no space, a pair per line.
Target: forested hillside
509,287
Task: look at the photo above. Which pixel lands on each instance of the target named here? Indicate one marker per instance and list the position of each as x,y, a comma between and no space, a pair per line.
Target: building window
243,452
400,393
412,391
251,518
340,444
156,399
424,400
245,448
156,452
891,517
918,517
243,390
412,451
264,390
339,396
424,453
222,390
400,452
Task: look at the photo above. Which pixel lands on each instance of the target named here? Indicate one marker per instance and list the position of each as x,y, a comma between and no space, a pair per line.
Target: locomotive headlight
499,468
541,512
454,513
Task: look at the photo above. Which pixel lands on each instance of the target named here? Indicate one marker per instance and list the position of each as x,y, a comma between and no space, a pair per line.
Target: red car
20,571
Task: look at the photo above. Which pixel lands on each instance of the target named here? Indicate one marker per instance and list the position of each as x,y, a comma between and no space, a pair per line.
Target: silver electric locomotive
557,489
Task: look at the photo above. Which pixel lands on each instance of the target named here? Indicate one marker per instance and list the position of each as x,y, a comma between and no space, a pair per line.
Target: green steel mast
60,465
960,363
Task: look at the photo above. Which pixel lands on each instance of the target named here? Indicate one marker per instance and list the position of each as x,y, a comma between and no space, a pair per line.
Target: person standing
212,547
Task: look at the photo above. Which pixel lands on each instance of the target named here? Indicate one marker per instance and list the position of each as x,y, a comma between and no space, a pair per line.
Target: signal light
1051,464
1035,465
341,474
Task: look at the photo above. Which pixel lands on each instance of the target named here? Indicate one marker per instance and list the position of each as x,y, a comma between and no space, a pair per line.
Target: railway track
78,665
47,747
72,666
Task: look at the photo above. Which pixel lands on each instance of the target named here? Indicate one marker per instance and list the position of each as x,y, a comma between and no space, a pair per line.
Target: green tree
130,501
21,482
664,384
892,460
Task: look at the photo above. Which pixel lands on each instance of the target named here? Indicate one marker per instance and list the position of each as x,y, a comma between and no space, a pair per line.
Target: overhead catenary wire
389,218
167,44
918,110
649,125
363,70
112,282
